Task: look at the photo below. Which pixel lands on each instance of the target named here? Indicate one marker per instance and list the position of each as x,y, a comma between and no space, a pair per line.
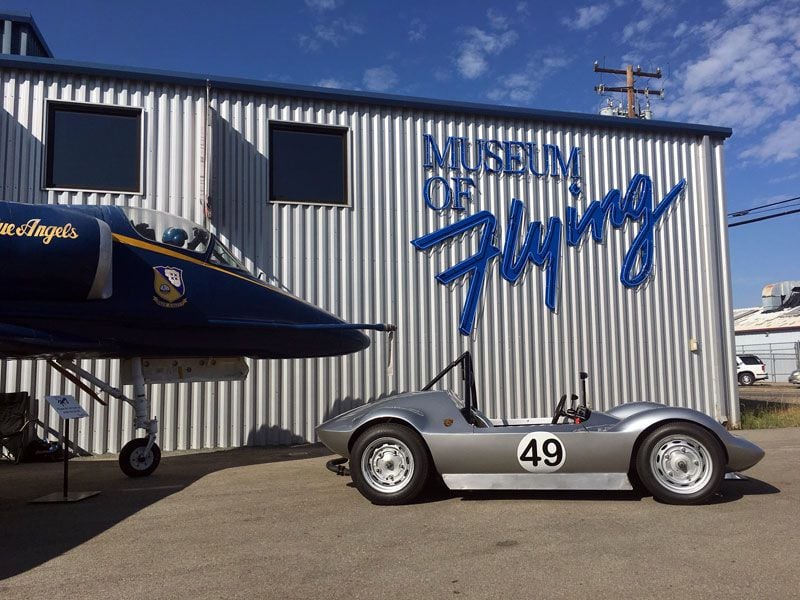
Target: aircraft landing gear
141,456
137,460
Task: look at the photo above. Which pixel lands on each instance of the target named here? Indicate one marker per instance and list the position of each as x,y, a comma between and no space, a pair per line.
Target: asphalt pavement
273,523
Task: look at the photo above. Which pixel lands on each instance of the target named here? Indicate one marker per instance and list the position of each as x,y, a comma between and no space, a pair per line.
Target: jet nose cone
312,331
324,339
353,340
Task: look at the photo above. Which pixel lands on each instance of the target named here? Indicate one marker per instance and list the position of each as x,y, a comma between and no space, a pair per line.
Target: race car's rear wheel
681,463
389,464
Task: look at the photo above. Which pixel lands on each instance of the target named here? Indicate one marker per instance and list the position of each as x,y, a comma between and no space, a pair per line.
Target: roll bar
468,377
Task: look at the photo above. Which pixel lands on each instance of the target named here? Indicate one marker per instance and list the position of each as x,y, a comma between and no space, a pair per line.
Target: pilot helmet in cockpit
175,236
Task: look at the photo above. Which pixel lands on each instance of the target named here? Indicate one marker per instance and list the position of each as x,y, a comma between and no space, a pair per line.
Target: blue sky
734,63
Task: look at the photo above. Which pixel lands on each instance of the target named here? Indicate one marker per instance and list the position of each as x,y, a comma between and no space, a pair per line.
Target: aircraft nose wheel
136,460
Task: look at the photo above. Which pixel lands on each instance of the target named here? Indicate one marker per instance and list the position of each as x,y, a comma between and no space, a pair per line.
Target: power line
741,213
767,210
783,214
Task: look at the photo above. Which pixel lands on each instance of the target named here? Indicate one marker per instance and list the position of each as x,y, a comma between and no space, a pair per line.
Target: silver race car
396,445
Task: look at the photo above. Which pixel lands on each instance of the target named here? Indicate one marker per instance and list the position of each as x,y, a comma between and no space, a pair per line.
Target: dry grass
770,416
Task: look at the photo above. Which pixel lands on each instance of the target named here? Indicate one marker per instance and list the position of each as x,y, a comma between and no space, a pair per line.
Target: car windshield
168,229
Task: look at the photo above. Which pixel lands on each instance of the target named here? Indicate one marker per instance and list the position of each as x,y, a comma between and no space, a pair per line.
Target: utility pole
630,86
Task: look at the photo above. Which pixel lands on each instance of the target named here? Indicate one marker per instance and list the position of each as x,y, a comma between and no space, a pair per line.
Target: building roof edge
330,94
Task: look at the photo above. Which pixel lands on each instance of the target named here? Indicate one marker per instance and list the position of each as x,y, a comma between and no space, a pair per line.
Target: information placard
67,407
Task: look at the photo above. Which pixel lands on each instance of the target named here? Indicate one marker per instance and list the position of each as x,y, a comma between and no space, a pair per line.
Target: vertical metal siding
357,262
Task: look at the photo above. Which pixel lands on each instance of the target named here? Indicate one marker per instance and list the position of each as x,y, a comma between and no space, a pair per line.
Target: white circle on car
541,452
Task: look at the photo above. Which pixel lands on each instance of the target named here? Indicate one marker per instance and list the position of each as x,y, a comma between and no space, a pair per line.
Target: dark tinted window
750,359
308,164
91,147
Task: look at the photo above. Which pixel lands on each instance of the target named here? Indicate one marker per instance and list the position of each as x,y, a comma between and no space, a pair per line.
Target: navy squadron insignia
169,287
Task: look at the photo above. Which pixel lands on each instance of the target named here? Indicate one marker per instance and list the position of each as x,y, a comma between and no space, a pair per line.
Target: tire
389,464
746,379
135,462
681,463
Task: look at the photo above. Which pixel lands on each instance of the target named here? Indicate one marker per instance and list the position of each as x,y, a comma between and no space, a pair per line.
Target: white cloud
781,144
441,74
743,4
334,33
637,28
416,30
322,5
521,86
790,177
478,45
380,79
742,78
496,19
747,77
331,82
587,17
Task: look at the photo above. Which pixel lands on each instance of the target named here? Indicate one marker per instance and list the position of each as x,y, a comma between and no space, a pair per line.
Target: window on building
93,147
308,164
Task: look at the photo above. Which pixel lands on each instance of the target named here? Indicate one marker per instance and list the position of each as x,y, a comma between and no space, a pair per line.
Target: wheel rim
681,464
387,465
141,458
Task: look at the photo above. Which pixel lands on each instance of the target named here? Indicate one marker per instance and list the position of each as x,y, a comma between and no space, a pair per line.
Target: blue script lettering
475,266
542,253
545,252
637,205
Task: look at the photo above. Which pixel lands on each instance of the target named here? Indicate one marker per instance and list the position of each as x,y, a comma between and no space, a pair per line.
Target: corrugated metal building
772,331
657,326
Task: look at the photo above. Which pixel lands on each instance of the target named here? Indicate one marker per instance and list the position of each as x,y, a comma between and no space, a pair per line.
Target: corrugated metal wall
358,263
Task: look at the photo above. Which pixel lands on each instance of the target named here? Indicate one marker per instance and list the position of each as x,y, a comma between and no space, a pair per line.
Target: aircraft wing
18,342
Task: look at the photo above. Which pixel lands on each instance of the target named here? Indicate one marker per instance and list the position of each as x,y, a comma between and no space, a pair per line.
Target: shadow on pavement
729,491
32,534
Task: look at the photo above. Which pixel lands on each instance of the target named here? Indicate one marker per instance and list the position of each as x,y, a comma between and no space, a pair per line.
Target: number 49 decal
541,452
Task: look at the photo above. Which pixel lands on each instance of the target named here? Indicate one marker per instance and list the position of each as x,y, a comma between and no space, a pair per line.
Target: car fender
656,414
414,418
740,453
424,412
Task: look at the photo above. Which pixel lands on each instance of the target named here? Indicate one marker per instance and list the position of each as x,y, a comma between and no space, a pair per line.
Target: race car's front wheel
681,463
389,464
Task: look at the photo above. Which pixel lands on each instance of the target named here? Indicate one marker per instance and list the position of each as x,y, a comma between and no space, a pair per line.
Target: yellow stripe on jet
124,239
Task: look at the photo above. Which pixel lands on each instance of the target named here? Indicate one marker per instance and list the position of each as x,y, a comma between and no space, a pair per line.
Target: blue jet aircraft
159,292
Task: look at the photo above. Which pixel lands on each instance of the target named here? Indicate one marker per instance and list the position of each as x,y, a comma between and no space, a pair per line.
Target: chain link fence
780,359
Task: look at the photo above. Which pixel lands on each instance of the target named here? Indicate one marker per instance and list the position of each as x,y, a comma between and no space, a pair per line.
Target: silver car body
490,454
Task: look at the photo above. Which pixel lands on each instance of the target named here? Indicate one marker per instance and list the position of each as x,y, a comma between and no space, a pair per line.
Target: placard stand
67,408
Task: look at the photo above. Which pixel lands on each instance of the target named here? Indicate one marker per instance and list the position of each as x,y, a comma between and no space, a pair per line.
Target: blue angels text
541,244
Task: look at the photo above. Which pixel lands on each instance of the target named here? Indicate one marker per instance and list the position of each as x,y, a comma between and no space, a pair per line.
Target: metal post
629,85
66,458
